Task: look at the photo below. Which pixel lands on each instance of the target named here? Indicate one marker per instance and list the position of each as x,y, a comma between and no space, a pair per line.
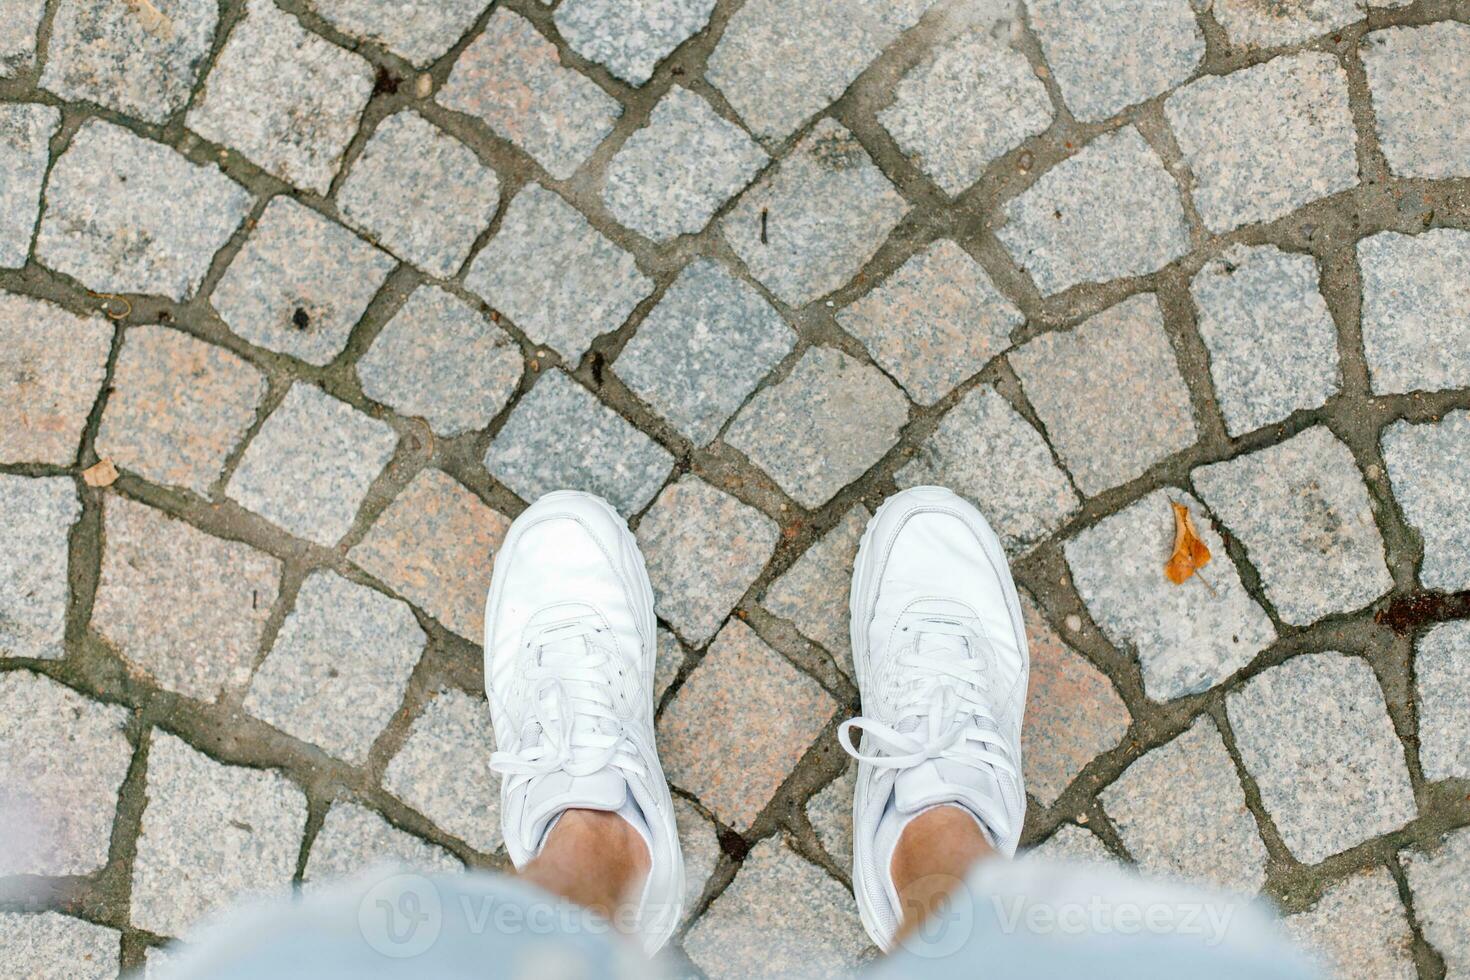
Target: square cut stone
813,592
1416,310
25,151
1187,638
672,175
1418,77
1073,845
1359,927
421,193
63,759
300,283
933,323
442,360
1440,882
704,548
668,660
1429,468
702,350
1263,141
1109,393
354,839
416,30
830,814
36,516
1110,54
309,466
1442,678
1108,212
1181,813
1252,24
339,667
126,215
823,426
630,39
561,437
442,770
1272,342
1316,736
52,364
512,79
1303,514
1024,501
18,29
185,608
52,946
178,408
699,840
433,546
558,279
284,98
739,724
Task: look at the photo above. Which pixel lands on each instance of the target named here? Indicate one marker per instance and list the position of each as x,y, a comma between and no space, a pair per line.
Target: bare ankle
933,854
593,858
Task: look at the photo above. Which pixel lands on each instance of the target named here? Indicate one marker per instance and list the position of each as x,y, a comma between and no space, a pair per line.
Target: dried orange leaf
102,474
1190,553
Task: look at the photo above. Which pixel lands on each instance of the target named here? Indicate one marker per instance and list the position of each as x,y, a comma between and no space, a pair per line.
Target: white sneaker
940,653
569,657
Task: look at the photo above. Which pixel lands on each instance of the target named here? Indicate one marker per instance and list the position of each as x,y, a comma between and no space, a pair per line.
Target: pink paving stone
52,363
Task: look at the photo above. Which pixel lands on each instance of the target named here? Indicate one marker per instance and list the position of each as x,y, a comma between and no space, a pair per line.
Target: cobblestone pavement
336,286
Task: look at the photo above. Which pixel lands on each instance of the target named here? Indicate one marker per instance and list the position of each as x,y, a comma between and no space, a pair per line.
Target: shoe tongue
939,781
556,792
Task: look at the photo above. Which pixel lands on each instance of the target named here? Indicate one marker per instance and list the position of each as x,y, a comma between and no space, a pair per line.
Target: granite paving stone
1417,77
443,770
1440,882
1109,211
512,79
52,364
416,30
1416,310
354,838
561,437
157,959
286,99
669,658
630,38
311,463
558,278
25,133
830,813
421,193
700,842
1188,637
212,835
18,31
1073,845
703,549
738,724
62,761
177,409
433,546
36,516
1024,500
1251,24
702,350
1442,679
1359,928
1429,469
1109,393
127,215
1263,141
300,283
186,609
812,593
672,175
1315,734
339,667
829,400
52,946
442,360
1303,514
813,220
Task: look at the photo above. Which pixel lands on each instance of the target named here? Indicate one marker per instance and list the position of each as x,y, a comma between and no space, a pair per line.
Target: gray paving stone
560,436
1272,342
1442,677
1109,54
1109,393
779,63
178,408
62,761
1417,77
814,220
286,99
1302,512
417,30
339,668
670,657
558,279
18,36
672,175
703,549
821,427
157,959
1316,736
1263,141
1359,928
25,134
52,946
300,283
354,839
421,193
1416,311
703,349
1180,811
310,465
630,39
122,56
512,78
1108,212
212,836
812,593
443,770
442,360
1429,469
52,364
700,842
1073,845
126,215
969,101
1440,882
830,813
36,515
1251,24
186,609
1026,499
